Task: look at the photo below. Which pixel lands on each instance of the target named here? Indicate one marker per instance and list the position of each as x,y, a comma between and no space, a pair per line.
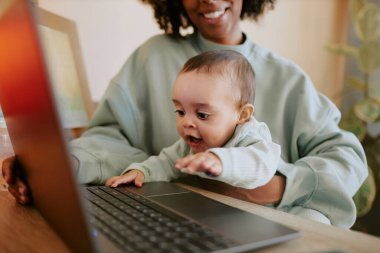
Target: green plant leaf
367,22
374,97
367,110
366,195
353,125
372,150
356,6
374,93
369,56
345,50
377,56
357,84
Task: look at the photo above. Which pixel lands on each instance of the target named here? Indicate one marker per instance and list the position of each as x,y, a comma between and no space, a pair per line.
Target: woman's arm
268,194
118,134
110,144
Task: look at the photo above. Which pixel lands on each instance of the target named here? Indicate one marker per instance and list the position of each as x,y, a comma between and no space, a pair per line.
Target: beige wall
109,30
300,30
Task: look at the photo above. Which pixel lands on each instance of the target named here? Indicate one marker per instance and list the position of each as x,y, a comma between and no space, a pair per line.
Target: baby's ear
246,112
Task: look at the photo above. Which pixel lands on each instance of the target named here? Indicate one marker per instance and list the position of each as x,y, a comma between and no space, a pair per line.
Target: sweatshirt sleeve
250,158
115,137
105,149
329,163
161,167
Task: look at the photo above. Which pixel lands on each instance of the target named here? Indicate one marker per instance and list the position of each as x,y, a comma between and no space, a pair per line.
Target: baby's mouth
193,140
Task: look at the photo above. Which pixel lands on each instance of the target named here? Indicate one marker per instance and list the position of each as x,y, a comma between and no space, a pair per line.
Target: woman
322,166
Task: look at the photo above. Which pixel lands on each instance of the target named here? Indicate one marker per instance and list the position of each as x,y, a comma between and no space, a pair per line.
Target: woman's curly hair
171,15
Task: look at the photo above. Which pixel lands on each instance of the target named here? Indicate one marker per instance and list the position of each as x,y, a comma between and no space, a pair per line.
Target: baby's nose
188,122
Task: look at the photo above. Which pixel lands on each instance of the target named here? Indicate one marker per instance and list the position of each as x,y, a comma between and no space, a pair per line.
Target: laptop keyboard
137,224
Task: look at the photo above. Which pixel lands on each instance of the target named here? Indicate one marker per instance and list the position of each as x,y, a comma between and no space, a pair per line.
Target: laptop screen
27,101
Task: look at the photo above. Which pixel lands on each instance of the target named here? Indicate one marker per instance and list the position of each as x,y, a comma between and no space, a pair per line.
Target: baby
220,139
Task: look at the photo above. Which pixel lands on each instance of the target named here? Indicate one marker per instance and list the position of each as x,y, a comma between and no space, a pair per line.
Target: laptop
159,217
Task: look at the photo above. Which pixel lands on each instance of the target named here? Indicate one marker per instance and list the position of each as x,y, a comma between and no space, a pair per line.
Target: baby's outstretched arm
206,162
135,176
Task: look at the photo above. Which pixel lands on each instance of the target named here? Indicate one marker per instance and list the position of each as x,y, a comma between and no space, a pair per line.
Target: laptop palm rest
232,222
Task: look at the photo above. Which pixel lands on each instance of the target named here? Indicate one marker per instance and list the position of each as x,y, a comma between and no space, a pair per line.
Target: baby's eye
180,113
202,115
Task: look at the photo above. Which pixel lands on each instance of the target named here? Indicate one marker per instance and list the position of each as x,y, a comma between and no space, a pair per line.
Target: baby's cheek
215,140
220,136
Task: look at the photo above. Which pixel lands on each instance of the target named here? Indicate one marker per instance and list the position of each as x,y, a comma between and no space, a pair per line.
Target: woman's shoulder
160,47
270,58
275,71
162,42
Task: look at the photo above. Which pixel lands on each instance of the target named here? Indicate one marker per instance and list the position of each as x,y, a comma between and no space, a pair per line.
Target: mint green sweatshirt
324,166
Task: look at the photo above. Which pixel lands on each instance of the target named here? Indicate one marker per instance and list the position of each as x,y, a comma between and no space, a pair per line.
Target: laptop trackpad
229,221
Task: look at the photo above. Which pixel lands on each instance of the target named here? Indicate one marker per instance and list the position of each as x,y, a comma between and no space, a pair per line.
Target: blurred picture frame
63,57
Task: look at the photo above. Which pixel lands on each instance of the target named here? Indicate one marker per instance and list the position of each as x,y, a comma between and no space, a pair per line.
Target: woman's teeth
215,14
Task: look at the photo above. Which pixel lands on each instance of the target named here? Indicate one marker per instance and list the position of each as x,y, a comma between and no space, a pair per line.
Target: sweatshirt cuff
309,214
226,174
301,183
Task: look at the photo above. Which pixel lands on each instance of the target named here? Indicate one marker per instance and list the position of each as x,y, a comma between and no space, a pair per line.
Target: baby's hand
206,162
135,176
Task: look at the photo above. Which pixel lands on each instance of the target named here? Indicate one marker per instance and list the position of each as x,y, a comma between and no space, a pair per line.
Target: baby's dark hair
228,64
171,15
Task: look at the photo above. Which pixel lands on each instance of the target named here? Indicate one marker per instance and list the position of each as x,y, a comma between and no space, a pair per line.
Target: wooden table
3,185
23,229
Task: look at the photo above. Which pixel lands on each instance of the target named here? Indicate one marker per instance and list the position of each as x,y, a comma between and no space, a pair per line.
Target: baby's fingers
124,179
113,181
139,180
193,164
184,162
202,162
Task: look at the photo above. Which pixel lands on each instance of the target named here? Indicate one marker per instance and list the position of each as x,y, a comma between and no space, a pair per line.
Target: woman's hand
16,185
271,193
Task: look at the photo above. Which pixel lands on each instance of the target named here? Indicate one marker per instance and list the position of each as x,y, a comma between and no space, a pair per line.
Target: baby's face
206,112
